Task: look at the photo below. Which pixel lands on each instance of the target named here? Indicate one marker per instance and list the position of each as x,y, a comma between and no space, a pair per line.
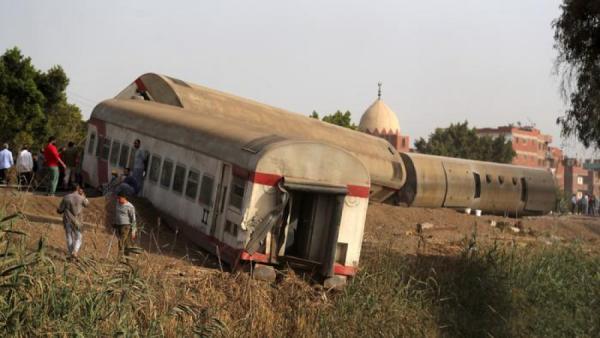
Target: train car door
220,208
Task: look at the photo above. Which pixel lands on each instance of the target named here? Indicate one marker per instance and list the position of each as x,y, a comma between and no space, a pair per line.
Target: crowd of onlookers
52,165
43,169
586,205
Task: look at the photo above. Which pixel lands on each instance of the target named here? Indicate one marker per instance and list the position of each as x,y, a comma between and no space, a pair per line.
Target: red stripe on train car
140,85
264,178
358,191
256,257
344,270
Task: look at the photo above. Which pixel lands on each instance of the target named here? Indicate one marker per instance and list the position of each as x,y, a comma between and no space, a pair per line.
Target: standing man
71,207
52,161
70,158
6,161
125,224
140,163
24,166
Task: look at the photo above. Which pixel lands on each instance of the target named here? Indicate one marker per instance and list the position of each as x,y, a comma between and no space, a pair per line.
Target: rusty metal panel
460,183
429,180
500,188
541,192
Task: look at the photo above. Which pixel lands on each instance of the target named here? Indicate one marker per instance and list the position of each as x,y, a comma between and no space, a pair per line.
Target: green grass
482,292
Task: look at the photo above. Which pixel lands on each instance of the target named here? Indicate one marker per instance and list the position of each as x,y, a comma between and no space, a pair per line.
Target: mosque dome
379,118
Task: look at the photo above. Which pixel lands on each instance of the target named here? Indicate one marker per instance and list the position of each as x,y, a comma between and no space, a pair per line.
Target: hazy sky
489,62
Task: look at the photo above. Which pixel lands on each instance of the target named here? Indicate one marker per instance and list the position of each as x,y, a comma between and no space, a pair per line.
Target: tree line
457,140
33,104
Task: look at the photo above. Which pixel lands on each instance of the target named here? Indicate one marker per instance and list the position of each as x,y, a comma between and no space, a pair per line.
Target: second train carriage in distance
437,181
229,184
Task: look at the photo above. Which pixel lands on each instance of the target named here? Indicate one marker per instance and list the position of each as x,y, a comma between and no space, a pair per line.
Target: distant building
582,178
530,145
379,120
533,149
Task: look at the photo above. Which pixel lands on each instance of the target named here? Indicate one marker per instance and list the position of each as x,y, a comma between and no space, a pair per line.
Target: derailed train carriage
257,183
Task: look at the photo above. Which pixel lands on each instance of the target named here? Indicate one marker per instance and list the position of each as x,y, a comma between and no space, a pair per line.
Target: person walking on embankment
124,223
71,208
24,166
52,161
6,162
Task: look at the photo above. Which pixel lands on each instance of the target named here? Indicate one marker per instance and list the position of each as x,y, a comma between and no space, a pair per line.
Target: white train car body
240,192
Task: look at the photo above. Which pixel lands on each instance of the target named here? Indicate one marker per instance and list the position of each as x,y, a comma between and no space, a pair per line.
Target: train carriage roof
381,159
250,148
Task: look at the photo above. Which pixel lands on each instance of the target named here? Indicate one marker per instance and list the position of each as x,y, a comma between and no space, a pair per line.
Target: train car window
99,145
523,189
501,179
191,189
155,168
206,190
477,179
488,178
124,156
179,179
105,149
514,179
166,174
238,187
114,153
91,143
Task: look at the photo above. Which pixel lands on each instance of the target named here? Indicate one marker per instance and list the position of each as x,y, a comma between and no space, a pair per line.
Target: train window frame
187,183
114,155
154,172
91,143
237,184
477,179
501,179
99,146
163,176
121,164
208,201
105,153
488,178
183,180
515,181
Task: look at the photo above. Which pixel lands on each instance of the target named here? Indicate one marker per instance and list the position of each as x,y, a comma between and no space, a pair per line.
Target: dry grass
481,291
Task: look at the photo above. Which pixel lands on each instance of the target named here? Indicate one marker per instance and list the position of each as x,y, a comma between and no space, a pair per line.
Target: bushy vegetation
33,103
492,291
460,140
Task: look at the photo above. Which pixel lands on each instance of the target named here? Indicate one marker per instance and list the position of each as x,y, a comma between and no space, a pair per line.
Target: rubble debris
515,229
264,272
335,282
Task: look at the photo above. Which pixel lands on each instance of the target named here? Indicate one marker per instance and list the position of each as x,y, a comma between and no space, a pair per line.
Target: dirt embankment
442,231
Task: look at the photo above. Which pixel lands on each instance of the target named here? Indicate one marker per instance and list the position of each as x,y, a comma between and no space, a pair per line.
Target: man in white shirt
6,162
24,166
